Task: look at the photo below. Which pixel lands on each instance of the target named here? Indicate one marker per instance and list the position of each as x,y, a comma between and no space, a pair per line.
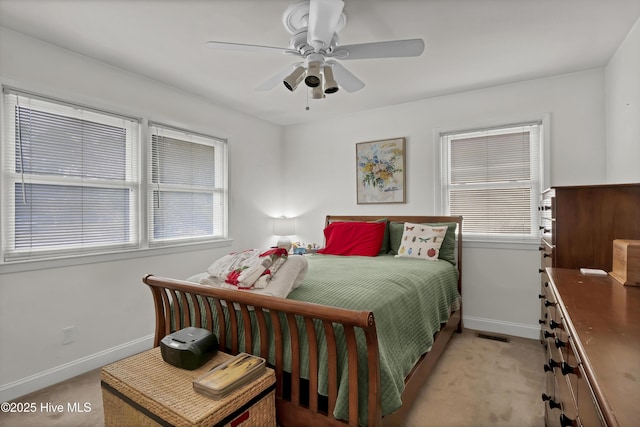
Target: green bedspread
409,298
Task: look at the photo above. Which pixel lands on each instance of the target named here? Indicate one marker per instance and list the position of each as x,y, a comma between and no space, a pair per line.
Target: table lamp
284,227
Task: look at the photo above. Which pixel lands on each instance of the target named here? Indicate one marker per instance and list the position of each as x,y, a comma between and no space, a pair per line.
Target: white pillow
421,241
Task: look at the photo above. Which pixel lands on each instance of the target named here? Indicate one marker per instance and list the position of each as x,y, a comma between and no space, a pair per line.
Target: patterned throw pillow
421,241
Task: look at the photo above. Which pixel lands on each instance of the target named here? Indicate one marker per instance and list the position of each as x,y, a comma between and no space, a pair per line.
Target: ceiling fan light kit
292,81
316,92
313,25
313,78
330,85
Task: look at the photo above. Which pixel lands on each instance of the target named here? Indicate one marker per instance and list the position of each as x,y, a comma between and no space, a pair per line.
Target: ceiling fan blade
390,49
277,79
241,47
323,19
345,78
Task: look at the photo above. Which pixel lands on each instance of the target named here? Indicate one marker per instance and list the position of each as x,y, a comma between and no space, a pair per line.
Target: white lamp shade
284,226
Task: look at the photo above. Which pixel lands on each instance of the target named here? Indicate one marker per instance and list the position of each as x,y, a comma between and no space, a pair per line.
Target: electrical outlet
68,334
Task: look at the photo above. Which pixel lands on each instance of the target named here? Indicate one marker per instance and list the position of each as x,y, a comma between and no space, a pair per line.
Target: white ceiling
470,44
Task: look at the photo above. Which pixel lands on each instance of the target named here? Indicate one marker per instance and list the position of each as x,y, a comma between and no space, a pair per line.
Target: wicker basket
144,390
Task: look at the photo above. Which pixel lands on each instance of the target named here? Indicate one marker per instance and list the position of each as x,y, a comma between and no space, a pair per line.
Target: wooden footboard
297,400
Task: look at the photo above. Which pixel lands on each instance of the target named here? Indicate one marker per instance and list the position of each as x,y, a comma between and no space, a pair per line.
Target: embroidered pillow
421,241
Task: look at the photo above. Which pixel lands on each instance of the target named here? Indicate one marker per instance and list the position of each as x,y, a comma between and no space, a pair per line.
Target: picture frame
380,171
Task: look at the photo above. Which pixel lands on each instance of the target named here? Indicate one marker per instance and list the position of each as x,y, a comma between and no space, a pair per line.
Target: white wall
500,285
623,111
107,302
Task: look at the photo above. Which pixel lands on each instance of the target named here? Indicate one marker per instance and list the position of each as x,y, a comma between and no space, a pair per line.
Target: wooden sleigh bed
311,346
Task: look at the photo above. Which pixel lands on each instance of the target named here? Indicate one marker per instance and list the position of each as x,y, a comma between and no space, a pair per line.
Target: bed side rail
260,323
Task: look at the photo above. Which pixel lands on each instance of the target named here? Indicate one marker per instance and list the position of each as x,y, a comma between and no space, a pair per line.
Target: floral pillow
421,241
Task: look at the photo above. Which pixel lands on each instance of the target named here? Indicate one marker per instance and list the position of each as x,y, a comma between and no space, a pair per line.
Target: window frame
441,155
220,147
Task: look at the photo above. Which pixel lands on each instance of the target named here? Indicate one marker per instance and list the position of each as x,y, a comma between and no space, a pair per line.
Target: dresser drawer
547,217
560,405
568,406
546,232
549,315
588,411
549,304
552,401
546,254
572,368
547,204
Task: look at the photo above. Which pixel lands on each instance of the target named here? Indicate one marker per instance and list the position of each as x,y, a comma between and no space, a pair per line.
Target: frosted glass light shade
284,226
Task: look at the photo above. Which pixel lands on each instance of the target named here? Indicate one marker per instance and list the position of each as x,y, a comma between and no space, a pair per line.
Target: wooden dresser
578,225
590,367
593,350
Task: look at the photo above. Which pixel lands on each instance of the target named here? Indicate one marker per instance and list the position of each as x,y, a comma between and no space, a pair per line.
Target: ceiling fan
314,27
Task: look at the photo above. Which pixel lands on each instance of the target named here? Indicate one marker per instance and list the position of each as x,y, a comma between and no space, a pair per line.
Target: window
492,177
70,181
187,193
78,181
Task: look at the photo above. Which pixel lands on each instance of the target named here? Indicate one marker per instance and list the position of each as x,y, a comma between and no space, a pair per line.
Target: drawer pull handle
567,422
552,403
541,248
545,230
552,364
540,270
568,369
553,325
548,334
548,303
542,321
546,255
559,343
540,296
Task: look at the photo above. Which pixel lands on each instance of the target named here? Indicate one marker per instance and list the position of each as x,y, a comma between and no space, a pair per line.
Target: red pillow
353,238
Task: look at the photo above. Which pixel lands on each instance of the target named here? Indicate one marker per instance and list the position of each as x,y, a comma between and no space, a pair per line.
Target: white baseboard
71,369
500,327
63,372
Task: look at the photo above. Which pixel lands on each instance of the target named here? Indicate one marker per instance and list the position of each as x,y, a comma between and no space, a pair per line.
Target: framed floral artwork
380,171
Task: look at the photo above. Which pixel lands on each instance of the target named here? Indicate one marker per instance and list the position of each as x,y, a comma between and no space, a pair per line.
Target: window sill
30,265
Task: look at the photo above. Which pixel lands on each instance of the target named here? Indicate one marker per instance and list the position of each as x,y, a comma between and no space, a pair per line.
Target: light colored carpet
477,383
482,383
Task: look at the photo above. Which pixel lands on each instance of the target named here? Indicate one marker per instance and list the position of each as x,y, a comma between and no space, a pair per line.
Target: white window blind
492,178
70,179
188,191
